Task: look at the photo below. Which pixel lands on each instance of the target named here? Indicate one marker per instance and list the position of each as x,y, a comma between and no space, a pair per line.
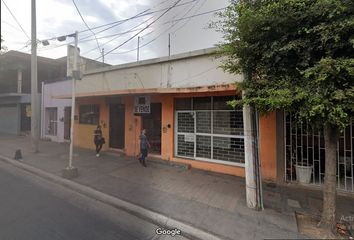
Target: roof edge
175,57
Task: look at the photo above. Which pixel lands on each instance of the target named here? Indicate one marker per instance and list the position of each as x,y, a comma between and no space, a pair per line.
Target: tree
2,47
296,55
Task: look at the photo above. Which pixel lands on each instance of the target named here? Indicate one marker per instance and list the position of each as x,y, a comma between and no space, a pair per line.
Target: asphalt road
33,208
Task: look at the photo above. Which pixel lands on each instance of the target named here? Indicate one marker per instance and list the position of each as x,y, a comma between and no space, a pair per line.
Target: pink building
55,115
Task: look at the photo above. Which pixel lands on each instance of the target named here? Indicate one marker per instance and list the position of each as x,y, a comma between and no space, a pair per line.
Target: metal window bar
212,135
297,145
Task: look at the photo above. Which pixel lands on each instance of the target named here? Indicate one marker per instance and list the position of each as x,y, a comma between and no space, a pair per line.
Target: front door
67,122
152,124
117,126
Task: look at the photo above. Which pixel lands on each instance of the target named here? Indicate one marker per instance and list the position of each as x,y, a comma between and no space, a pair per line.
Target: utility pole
138,49
252,161
169,44
34,82
70,171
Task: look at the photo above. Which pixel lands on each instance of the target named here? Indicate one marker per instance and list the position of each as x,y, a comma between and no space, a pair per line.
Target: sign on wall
142,105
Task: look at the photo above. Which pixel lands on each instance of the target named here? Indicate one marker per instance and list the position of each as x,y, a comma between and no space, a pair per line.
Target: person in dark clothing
98,140
144,147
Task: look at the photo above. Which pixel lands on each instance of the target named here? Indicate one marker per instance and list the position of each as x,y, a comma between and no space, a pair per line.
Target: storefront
182,102
208,129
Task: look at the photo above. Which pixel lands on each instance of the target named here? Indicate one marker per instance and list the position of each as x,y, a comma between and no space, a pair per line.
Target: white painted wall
49,91
194,71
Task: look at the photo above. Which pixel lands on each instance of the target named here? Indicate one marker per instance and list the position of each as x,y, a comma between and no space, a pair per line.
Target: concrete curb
154,217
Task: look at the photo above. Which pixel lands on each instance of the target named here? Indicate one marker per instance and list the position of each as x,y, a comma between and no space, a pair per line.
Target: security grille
51,121
211,135
305,146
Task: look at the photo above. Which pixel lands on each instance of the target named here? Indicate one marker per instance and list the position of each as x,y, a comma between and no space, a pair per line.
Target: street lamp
70,171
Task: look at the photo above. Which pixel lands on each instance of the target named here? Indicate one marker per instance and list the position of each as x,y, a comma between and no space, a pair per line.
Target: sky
60,17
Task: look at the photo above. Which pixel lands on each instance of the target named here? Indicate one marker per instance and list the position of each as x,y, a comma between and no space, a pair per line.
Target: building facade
56,113
15,88
182,103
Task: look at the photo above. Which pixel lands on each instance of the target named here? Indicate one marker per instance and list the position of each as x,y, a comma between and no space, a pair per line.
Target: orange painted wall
132,127
133,124
83,134
213,167
167,125
268,143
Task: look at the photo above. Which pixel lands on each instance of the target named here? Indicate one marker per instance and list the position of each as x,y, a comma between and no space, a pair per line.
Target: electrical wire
18,23
134,28
129,31
119,35
116,23
78,11
201,5
141,14
120,45
9,24
154,39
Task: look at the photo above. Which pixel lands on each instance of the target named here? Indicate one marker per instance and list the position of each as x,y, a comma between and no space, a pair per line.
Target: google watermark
171,232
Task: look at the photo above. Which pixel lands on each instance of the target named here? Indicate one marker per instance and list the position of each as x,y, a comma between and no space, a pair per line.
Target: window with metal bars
304,146
208,129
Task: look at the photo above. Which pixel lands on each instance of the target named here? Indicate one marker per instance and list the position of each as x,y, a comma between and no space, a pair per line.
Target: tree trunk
328,219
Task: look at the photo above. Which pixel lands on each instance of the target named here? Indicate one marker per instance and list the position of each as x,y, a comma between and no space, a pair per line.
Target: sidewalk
209,201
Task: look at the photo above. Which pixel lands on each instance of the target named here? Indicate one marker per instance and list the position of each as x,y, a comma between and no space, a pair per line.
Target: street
33,208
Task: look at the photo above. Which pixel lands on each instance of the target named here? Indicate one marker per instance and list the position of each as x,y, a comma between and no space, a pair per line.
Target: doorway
67,122
26,117
117,126
152,124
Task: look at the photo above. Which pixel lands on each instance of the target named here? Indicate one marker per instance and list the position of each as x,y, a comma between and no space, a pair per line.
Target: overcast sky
59,17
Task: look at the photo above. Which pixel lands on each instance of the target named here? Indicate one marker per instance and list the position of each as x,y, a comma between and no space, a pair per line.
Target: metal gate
304,146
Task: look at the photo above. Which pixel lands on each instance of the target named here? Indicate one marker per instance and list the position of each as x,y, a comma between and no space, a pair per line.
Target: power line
134,28
116,23
119,35
141,14
18,23
177,20
78,11
201,5
129,31
143,28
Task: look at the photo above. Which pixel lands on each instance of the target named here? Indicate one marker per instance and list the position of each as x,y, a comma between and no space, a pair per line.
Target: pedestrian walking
98,140
144,147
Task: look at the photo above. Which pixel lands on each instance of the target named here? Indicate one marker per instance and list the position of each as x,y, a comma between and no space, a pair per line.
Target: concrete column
251,186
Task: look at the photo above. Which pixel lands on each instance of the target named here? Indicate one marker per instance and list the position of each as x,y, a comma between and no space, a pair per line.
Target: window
89,114
208,129
183,104
51,121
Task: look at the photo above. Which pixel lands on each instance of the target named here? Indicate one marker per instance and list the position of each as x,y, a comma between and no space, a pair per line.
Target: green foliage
3,48
296,55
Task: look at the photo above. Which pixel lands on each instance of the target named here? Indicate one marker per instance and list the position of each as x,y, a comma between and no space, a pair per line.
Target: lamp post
70,171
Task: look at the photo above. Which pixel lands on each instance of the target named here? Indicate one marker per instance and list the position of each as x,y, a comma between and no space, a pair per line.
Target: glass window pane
183,103
221,102
89,114
204,122
185,146
203,147
228,122
229,149
202,103
185,122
